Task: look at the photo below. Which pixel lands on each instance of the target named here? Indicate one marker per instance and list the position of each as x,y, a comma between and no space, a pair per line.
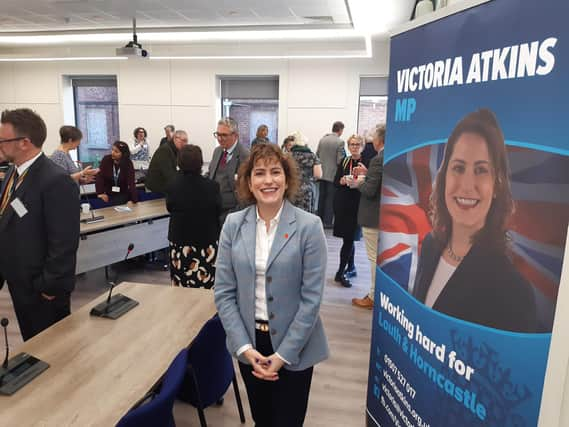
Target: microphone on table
93,217
4,322
115,305
20,370
114,283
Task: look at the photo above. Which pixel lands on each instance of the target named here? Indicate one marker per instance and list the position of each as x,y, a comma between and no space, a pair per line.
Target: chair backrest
158,411
212,364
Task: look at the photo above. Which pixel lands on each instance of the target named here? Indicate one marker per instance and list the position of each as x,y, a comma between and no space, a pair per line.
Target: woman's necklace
452,255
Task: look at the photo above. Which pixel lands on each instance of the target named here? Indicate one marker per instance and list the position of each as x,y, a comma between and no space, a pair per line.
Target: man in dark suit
39,225
225,163
163,166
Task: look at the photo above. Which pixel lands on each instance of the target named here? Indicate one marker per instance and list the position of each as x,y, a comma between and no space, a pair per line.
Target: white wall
312,93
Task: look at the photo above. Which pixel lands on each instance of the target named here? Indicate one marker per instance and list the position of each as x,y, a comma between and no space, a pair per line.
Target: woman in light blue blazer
270,277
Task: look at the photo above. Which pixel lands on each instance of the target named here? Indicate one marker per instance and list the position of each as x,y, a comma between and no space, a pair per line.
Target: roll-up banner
473,219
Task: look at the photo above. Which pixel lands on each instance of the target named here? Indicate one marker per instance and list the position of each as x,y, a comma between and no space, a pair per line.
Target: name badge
116,189
19,207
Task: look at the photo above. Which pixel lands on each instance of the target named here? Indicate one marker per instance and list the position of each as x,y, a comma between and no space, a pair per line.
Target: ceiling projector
133,49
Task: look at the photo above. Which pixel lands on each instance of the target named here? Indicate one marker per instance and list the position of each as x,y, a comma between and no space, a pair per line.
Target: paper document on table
123,209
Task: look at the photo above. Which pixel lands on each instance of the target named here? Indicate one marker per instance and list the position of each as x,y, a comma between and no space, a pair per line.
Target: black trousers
281,403
35,313
326,203
347,252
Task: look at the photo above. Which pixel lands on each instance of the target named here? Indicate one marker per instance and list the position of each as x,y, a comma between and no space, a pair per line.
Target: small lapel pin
286,235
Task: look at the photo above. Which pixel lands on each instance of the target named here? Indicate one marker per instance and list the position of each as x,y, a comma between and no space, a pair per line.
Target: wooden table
99,367
104,243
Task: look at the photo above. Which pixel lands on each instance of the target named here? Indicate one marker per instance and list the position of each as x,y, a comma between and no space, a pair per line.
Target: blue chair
158,410
210,370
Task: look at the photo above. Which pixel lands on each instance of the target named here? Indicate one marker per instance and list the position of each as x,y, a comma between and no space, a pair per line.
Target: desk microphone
115,305
93,217
20,370
114,283
4,322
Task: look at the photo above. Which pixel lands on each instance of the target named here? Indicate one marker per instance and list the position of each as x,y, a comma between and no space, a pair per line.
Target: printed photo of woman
465,269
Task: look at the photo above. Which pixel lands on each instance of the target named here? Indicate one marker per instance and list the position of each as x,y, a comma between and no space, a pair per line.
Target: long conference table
104,243
100,368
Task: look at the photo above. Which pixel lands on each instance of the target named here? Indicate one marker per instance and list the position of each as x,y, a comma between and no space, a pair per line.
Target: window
96,114
251,101
373,104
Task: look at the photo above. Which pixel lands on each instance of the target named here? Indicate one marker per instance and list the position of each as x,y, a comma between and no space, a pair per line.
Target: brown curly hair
483,123
267,153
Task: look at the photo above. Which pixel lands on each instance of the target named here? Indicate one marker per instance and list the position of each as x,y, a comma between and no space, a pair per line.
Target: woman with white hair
310,170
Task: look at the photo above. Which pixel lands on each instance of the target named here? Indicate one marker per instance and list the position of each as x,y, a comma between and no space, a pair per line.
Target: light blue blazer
295,278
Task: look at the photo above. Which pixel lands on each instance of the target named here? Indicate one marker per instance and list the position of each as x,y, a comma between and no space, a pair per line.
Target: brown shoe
365,302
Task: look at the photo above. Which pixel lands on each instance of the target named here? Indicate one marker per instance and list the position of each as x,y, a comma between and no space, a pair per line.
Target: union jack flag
538,227
403,222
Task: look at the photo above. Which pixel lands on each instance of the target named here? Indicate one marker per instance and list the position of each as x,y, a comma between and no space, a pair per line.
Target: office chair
158,410
210,370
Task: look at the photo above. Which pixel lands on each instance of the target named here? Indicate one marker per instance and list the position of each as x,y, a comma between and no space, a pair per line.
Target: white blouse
263,245
442,274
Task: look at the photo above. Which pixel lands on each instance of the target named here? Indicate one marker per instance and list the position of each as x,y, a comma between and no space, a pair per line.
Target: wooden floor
339,385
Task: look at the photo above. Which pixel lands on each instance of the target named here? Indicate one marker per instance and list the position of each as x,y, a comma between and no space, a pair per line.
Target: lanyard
116,173
11,186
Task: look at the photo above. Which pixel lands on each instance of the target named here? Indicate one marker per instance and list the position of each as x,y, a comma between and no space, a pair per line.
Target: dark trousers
326,203
280,403
346,256
35,313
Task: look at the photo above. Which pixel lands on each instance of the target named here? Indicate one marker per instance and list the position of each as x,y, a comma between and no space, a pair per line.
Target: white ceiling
36,28
62,15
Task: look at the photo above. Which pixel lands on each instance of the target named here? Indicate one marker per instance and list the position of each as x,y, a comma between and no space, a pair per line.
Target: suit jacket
194,204
370,189
330,151
227,184
38,251
485,288
162,169
368,154
295,278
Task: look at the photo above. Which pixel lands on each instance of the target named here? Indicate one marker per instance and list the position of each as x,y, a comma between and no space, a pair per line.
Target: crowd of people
246,227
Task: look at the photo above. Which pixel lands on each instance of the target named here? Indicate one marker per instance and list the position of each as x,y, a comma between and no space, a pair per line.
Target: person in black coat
194,203
346,202
39,225
464,269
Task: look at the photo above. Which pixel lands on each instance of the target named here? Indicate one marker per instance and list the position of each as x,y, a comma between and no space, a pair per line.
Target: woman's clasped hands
264,367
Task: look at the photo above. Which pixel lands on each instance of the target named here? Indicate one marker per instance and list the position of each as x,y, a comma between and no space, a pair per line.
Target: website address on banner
400,377
416,417
397,406
394,419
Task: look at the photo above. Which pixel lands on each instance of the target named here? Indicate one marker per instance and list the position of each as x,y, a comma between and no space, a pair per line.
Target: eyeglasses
19,138
354,145
222,135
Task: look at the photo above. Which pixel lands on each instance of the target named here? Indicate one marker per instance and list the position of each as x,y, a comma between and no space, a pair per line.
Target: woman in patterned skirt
194,203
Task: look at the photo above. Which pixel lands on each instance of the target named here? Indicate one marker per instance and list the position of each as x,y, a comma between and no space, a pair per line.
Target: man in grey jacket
330,151
225,162
368,210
